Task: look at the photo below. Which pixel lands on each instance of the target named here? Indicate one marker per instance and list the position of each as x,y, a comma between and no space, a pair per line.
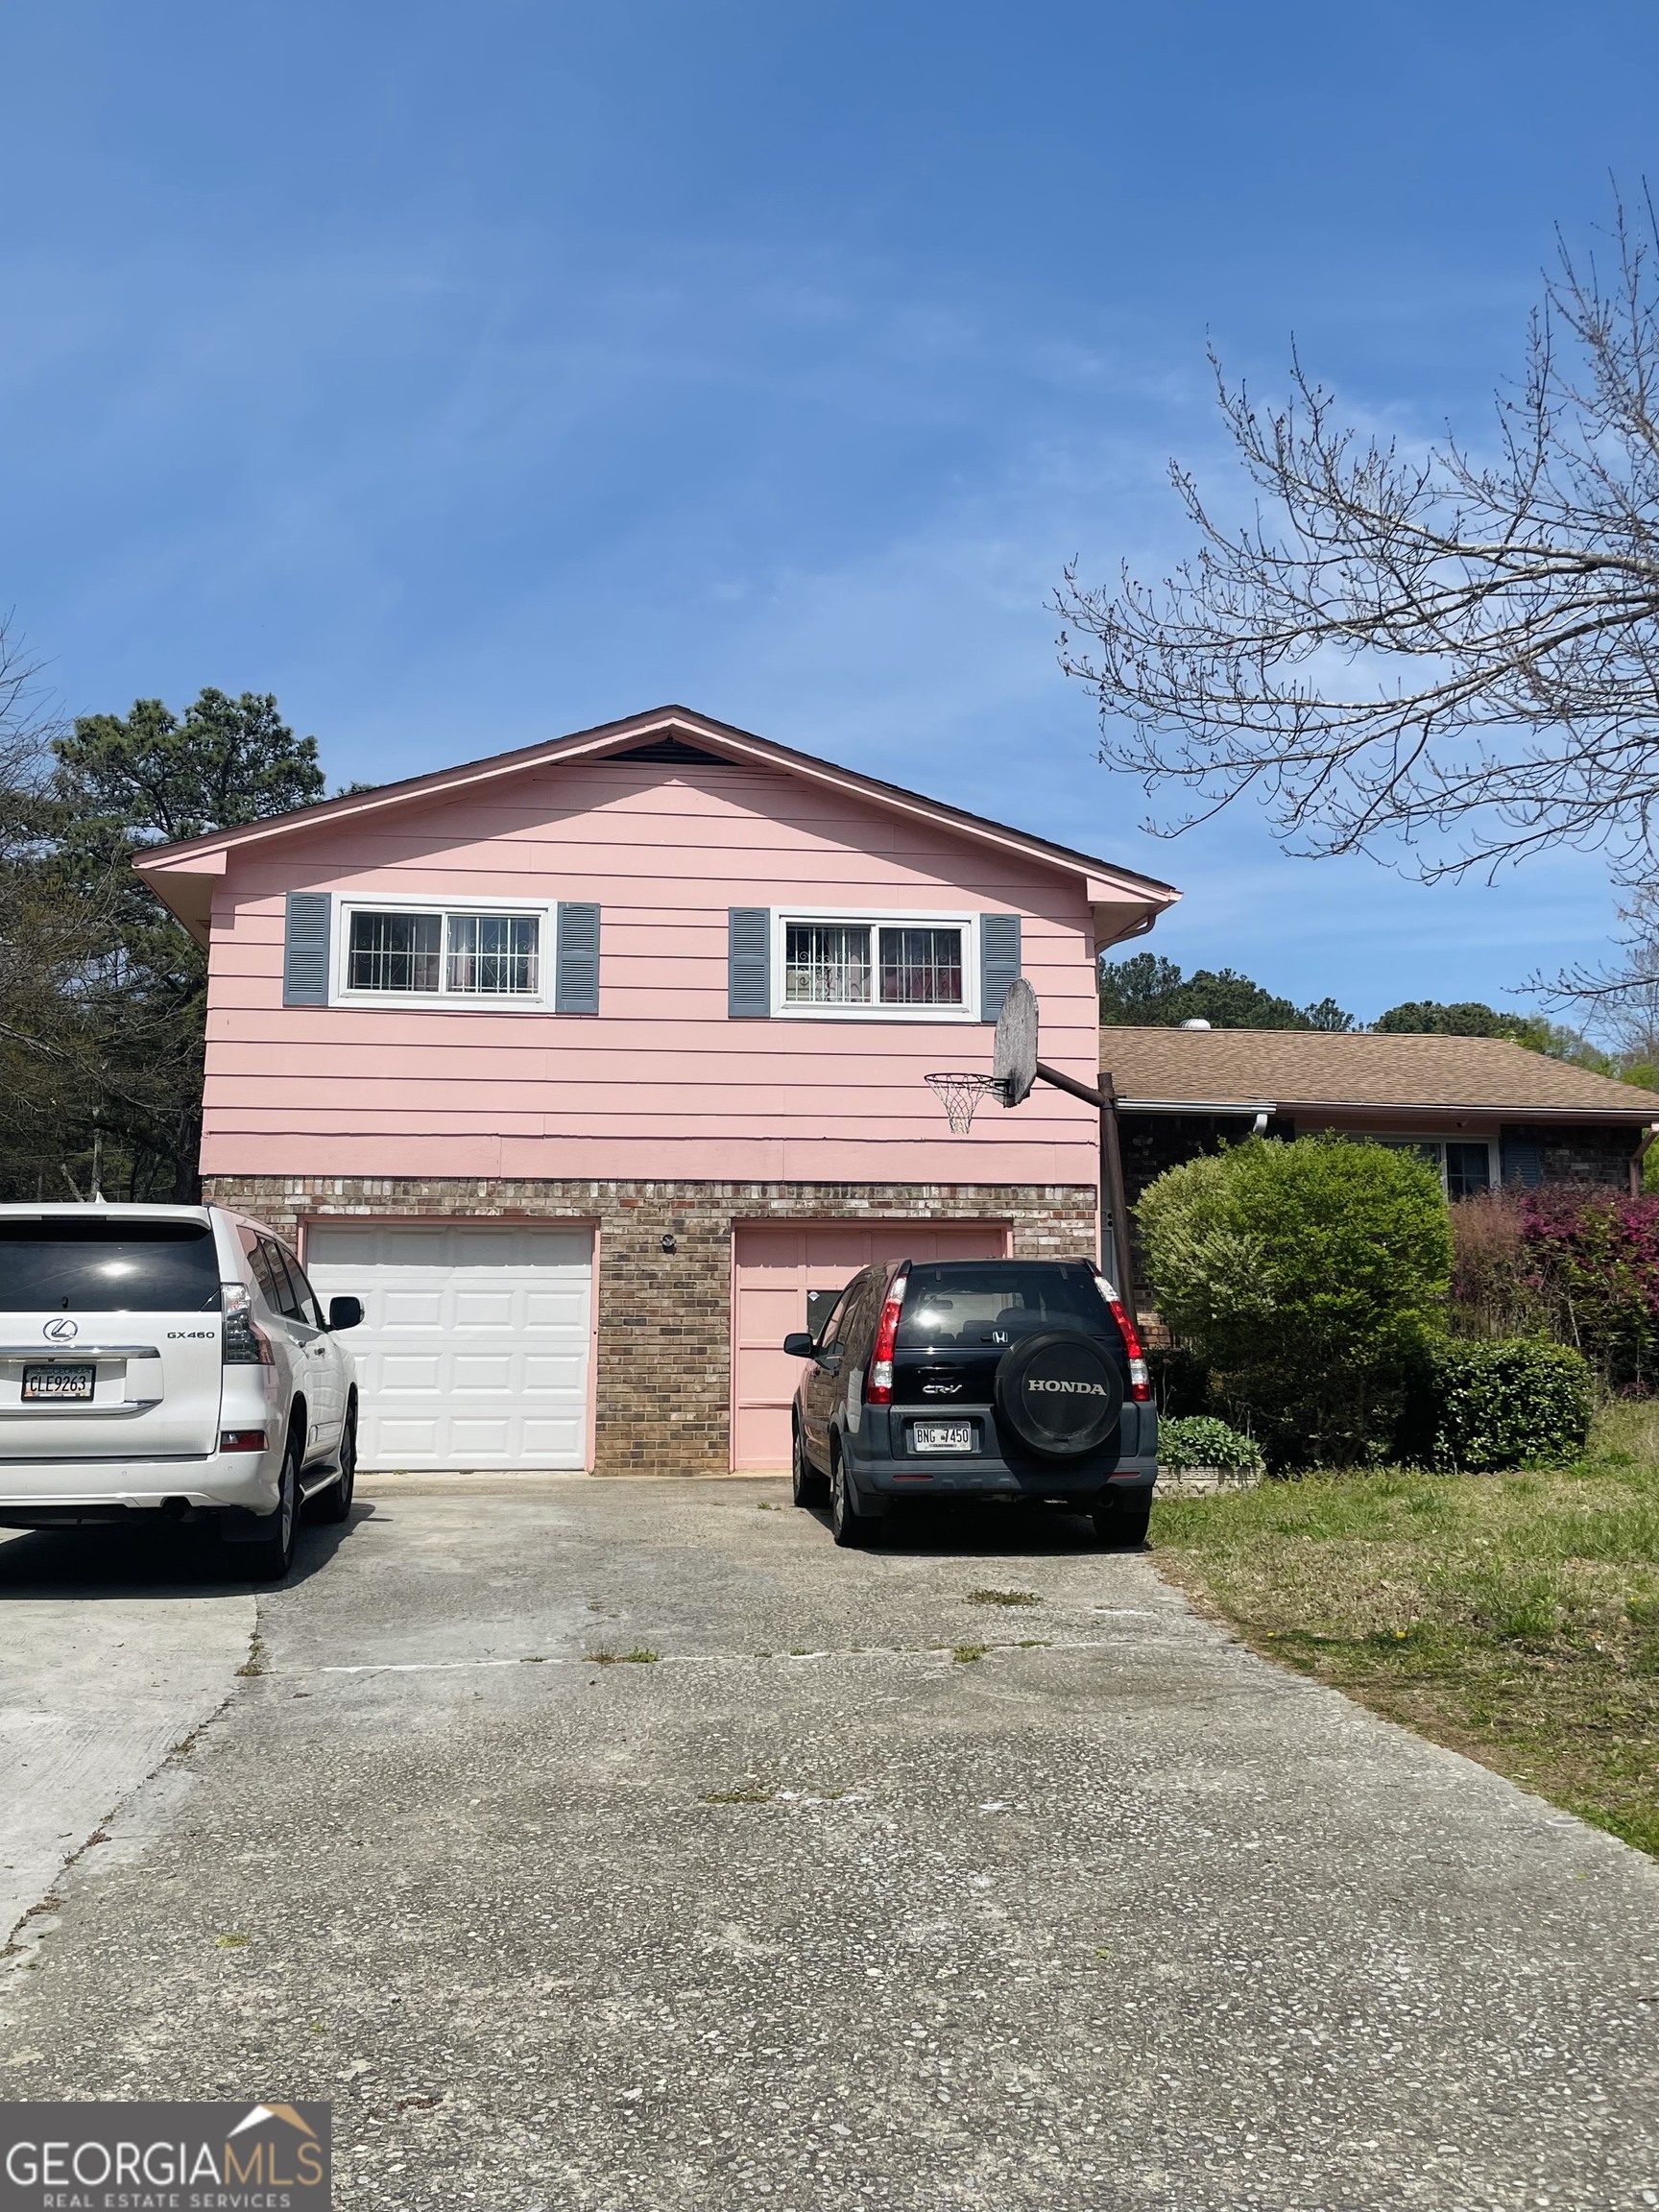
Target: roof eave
1118,886
1620,1116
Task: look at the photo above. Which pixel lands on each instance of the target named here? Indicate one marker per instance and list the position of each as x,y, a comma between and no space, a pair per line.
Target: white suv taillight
878,1387
244,1344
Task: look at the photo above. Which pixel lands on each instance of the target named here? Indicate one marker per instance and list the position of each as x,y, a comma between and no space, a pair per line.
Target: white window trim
876,917
1399,1139
539,1002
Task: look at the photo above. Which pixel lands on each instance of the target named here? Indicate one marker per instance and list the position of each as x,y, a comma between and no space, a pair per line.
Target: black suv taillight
245,1344
1139,1378
879,1383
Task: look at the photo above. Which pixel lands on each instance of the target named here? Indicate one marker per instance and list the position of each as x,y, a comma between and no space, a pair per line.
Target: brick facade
663,1381
1587,1154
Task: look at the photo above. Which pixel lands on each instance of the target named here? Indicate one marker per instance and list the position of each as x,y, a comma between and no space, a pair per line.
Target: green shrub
1204,1442
1180,1381
1526,1403
1309,1278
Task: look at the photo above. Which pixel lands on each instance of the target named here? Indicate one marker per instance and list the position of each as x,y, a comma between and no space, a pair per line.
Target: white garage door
474,1349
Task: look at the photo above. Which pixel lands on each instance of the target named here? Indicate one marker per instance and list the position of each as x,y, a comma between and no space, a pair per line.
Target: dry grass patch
1514,1617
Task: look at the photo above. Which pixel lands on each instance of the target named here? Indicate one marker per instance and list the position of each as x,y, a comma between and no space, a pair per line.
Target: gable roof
182,873
1302,1069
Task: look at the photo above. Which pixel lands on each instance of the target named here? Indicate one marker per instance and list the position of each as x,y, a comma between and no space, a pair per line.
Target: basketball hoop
963,1094
1014,1063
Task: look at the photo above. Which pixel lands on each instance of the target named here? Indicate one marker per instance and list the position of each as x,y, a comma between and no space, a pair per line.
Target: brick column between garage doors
663,1380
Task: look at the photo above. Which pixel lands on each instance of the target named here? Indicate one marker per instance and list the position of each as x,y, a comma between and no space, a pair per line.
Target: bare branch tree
1620,1001
1456,654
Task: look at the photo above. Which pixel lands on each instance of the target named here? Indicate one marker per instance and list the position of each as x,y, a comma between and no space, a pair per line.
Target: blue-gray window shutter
1521,1155
999,961
748,962
306,949
576,981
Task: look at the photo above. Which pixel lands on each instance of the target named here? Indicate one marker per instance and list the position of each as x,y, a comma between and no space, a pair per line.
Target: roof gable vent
673,752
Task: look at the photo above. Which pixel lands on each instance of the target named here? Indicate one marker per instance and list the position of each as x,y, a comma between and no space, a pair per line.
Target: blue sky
466,375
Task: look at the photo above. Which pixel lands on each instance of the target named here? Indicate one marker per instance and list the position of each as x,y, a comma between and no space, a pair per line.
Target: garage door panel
416,1247
552,1442
770,1313
474,1346
397,1371
353,1247
403,1436
481,1371
545,1372
474,1436
774,1266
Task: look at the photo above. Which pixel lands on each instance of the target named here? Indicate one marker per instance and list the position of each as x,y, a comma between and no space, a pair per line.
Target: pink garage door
777,1268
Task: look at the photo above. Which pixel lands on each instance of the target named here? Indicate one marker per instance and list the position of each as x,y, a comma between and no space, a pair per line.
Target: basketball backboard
1015,1064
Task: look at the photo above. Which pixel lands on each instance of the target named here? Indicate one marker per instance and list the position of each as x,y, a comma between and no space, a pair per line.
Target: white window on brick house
1466,1169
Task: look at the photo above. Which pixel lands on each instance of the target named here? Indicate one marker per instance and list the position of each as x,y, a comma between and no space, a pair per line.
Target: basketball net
963,1094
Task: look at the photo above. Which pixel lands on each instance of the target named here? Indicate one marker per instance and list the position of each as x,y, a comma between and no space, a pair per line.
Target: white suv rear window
108,1267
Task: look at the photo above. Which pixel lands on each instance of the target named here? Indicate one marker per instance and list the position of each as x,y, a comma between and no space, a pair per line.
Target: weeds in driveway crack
1003,1598
640,1656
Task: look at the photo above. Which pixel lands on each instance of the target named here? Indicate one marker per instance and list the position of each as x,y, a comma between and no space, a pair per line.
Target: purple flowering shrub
1592,1259
1579,1264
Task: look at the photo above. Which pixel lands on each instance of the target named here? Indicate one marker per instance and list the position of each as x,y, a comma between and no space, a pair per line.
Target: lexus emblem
62,1331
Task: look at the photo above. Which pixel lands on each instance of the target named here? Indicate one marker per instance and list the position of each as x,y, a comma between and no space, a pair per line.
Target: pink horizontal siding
660,1082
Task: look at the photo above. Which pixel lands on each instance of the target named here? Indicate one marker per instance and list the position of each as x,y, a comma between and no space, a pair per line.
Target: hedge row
1495,1404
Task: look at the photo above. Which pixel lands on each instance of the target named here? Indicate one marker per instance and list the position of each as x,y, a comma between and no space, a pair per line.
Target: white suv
170,1360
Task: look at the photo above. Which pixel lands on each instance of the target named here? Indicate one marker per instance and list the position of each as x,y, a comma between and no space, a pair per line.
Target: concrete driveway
818,1908
111,1653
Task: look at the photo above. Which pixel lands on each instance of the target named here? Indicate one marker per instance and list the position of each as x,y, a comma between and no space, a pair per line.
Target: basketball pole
1105,1103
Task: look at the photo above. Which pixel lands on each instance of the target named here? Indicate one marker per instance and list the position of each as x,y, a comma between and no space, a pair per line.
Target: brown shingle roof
1308,1067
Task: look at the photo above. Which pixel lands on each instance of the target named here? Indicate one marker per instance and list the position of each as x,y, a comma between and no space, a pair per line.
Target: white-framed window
1467,1166
402,951
833,965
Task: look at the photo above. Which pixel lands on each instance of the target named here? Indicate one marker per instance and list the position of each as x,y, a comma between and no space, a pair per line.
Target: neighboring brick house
1485,1110
588,1064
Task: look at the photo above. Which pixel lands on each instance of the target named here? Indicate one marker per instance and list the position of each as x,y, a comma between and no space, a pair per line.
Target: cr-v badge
63,1330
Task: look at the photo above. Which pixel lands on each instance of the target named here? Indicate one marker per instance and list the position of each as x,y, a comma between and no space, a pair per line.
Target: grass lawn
1514,1617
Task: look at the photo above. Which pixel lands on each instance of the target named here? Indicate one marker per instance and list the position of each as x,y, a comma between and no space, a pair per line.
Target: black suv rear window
108,1267
964,1304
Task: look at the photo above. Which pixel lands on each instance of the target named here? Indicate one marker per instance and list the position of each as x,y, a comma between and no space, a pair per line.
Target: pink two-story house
590,1065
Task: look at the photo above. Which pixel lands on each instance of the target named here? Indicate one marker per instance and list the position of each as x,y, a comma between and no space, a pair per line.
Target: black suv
975,1378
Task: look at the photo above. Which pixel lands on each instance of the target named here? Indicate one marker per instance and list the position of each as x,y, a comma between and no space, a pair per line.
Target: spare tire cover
1061,1393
